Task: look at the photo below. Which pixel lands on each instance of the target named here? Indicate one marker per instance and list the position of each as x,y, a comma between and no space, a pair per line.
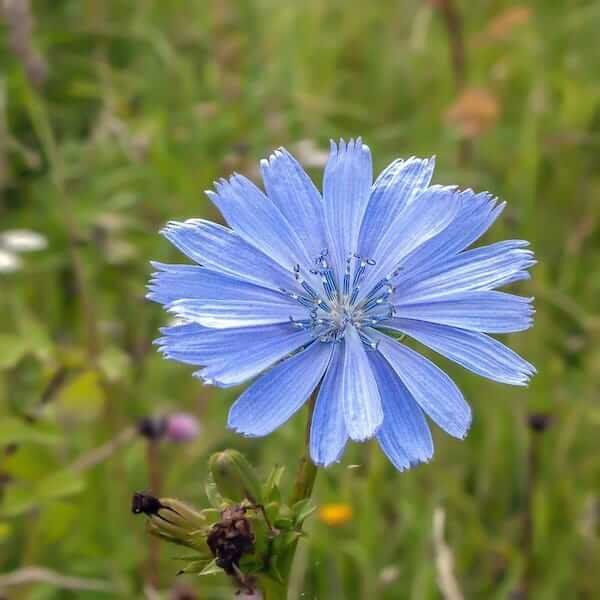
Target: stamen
328,274
309,289
377,287
346,291
359,272
308,302
329,314
373,302
323,305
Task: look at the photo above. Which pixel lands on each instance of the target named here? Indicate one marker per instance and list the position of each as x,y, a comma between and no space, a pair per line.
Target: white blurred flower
9,262
22,240
310,155
389,574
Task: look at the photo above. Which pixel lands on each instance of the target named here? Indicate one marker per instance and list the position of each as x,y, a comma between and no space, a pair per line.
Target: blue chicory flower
304,290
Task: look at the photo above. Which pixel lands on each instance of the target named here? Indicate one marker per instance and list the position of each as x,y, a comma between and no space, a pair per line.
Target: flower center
333,307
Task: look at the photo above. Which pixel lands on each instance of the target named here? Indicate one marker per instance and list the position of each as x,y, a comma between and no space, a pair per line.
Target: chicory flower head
307,290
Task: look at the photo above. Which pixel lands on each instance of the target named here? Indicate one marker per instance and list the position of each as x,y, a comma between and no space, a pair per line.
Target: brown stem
454,27
152,460
527,523
83,293
458,57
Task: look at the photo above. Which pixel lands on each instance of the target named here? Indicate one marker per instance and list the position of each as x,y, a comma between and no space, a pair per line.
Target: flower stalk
302,491
307,470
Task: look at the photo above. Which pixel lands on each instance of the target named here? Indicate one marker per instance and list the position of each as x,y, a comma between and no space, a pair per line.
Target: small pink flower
181,427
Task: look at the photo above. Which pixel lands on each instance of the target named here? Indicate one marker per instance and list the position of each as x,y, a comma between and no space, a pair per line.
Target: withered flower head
231,538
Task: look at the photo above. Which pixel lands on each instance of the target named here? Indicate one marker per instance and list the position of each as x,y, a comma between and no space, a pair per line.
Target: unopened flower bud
235,477
181,427
173,520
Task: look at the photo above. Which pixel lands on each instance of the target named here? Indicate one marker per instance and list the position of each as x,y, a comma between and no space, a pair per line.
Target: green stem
303,488
307,471
271,590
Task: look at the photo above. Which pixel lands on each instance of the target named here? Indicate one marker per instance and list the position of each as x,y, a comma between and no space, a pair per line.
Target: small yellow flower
335,514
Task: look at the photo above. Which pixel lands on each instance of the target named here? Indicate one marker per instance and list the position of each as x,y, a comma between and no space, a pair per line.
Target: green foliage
145,104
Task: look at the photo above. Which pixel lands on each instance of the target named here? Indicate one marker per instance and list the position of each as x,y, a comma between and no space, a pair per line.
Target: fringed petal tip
342,147
240,431
402,468
325,464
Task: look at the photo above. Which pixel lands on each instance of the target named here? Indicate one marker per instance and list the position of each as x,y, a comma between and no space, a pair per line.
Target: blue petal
404,436
252,358
230,312
296,196
395,188
273,398
422,220
181,331
328,435
231,356
215,300
257,220
474,351
361,402
479,269
476,214
221,249
489,311
432,389
346,189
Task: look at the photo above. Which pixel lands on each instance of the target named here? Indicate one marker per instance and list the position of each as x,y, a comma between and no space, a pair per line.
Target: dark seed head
152,428
539,422
143,503
231,538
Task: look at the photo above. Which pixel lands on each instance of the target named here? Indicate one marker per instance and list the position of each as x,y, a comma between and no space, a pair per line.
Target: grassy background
145,103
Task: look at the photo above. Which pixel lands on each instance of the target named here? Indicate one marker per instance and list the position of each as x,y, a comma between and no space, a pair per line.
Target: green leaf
284,524
57,520
114,363
276,574
59,485
83,397
36,334
272,484
289,537
211,569
20,498
30,462
17,499
196,566
250,564
13,430
5,531
302,510
12,349
275,475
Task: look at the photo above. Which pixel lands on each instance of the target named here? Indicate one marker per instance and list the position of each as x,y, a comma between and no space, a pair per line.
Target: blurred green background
115,115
